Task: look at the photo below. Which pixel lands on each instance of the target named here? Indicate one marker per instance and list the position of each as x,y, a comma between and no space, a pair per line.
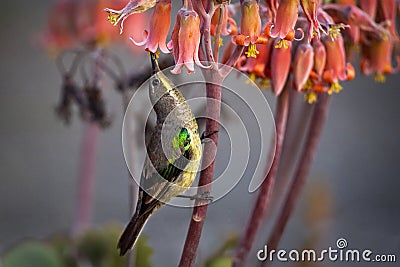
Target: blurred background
352,190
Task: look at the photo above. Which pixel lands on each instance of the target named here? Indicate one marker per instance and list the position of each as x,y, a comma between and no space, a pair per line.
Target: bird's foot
205,196
206,135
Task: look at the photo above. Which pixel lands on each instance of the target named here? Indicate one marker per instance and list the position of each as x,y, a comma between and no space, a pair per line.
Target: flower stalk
84,204
214,78
306,158
206,175
263,197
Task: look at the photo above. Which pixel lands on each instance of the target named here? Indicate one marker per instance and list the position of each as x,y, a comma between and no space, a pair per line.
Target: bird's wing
155,189
162,179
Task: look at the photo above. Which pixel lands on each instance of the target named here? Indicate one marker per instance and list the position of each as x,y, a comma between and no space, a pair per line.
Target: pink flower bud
280,66
319,57
302,65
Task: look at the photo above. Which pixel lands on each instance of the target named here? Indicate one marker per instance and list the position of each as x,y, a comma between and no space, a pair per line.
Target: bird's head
160,87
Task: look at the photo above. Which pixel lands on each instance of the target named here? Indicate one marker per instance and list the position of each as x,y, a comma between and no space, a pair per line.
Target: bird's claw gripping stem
205,196
206,135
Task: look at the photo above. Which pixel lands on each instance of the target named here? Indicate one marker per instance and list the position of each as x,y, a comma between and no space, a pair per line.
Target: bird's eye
155,82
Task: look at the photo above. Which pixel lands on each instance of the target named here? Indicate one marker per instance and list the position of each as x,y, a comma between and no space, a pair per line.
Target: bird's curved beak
154,63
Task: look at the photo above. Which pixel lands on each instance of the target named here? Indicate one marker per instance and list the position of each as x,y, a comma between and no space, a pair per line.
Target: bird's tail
131,232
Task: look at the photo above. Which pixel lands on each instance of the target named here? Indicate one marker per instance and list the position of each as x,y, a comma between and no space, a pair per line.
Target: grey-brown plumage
173,154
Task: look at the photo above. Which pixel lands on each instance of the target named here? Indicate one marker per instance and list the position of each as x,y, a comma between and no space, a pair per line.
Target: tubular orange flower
336,68
280,66
335,58
303,64
250,27
286,18
133,27
134,6
186,40
159,26
376,58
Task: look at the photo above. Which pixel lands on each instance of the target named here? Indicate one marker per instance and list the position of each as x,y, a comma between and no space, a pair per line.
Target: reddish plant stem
214,80
297,125
84,202
306,158
263,198
227,67
207,54
206,176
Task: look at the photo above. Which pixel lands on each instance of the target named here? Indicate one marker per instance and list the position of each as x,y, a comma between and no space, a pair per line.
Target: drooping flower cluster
78,31
309,47
185,35
306,43
374,31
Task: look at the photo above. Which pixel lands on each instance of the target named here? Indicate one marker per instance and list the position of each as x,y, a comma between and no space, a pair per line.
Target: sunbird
173,154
